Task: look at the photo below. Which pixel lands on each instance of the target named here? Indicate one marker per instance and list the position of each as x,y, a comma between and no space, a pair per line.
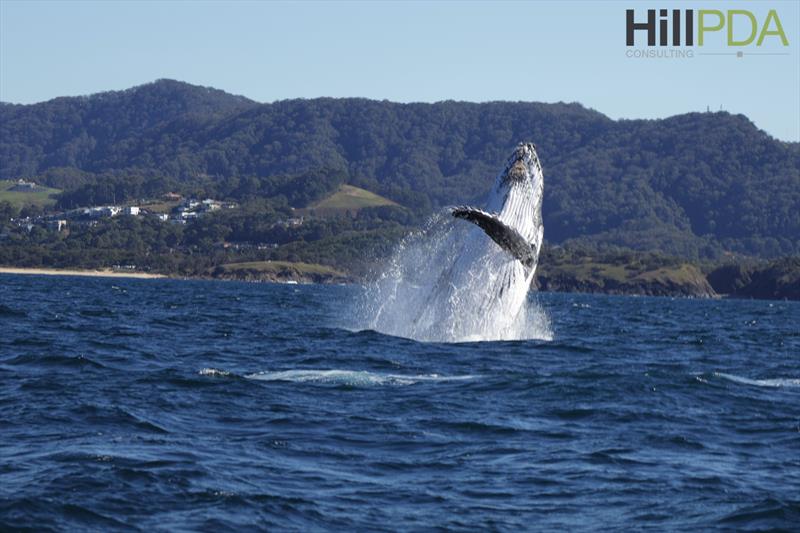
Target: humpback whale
483,294
458,282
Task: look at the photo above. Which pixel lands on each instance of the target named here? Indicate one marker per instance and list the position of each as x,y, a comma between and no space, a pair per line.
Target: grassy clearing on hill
585,271
624,274
280,271
41,197
348,198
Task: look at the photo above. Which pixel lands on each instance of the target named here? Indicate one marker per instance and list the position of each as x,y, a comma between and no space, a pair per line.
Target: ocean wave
214,372
353,377
775,382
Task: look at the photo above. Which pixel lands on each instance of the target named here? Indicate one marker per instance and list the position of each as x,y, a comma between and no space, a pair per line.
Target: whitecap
775,382
352,377
214,372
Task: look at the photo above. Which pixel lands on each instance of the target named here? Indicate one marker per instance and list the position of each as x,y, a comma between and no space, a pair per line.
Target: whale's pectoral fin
504,235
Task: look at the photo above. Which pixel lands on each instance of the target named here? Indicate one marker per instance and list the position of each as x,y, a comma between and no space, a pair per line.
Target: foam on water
214,372
352,377
775,382
428,291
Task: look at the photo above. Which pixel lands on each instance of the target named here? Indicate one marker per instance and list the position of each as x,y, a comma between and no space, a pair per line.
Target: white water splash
352,377
214,372
451,283
775,382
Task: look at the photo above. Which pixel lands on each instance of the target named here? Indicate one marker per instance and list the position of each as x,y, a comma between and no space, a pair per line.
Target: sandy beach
105,273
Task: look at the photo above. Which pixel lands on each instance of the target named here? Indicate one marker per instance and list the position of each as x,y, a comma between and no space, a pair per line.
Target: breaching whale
455,282
482,295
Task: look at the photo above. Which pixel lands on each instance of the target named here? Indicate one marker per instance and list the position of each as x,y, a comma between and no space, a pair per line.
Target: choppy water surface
158,404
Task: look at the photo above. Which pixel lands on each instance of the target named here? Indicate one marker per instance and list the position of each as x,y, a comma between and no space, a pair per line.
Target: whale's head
523,166
518,191
513,214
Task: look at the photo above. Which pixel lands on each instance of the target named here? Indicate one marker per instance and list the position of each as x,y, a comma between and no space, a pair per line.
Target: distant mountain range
693,185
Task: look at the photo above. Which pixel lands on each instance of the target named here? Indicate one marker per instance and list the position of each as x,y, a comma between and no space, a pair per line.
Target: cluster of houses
106,211
186,210
25,186
191,209
183,211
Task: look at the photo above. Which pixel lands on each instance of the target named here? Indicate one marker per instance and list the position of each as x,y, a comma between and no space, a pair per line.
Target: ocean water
194,405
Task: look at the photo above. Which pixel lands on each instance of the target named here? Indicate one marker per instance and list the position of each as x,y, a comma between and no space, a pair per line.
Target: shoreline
104,273
109,273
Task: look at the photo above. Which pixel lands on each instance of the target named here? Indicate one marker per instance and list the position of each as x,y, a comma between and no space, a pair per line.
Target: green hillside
696,185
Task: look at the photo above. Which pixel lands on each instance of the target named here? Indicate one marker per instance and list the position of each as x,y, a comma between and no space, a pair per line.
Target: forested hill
698,184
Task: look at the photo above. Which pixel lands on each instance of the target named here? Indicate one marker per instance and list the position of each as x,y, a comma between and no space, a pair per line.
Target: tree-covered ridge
83,132
694,185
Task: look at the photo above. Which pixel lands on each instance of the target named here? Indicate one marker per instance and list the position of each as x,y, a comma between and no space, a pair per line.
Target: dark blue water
190,405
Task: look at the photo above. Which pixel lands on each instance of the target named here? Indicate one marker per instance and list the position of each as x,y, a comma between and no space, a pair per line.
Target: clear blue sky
405,51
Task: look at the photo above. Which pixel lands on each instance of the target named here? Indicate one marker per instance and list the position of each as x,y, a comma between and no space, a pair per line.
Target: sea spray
449,283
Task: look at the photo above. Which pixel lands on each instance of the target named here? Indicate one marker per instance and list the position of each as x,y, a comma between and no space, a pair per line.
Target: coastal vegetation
621,272
279,271
643,206
774,279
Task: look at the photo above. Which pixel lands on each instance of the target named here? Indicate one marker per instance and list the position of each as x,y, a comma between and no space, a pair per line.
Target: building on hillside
102,212
24,186
57,224
132,210
295,221
210,205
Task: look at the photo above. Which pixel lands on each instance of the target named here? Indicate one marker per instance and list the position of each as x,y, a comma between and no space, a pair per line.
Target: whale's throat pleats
519,206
